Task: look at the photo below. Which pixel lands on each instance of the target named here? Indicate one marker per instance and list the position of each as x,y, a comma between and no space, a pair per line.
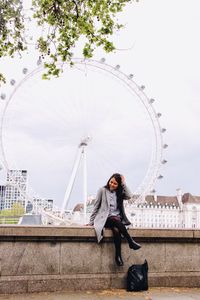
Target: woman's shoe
119,260
133,245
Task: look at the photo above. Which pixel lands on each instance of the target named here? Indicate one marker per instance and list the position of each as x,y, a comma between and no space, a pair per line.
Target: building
44,204
14,189
191,211
156,212
180,211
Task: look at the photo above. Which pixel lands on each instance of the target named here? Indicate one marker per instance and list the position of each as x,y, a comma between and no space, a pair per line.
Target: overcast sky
45,121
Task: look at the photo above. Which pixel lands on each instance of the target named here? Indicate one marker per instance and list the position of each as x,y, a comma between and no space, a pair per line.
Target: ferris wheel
104,112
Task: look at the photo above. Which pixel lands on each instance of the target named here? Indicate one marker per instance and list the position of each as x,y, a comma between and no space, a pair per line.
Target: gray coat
101,210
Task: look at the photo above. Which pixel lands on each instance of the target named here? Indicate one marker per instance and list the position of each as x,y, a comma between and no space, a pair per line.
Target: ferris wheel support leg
71,181
85,183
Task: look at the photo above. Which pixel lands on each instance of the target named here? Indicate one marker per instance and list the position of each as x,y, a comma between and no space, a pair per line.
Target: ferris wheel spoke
103,157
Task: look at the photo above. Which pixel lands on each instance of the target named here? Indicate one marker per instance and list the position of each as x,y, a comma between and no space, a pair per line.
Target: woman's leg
117,242
122,229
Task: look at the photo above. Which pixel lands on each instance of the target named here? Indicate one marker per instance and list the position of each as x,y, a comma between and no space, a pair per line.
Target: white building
166,212
44,204
162,212
191,211
15,188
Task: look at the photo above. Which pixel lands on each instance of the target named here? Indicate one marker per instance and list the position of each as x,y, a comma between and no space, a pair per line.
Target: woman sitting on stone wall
109,212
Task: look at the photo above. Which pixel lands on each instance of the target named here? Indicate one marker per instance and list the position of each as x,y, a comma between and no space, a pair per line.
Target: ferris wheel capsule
12,82
164,161
25,71
102,60
3,96
39,61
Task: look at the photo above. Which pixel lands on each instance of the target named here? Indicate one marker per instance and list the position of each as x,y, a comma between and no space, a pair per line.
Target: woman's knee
116,231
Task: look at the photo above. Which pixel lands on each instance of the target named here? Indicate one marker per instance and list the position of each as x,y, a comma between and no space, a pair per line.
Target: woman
109,212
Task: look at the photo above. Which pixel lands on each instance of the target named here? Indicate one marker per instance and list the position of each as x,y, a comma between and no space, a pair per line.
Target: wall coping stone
87,233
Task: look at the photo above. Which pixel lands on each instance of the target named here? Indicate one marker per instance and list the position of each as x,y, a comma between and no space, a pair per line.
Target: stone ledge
63,233
24,284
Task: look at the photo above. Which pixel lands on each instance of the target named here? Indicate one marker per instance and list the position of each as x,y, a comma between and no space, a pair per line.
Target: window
194,217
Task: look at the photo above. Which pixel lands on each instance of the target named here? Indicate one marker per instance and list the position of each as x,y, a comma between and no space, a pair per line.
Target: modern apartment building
14,189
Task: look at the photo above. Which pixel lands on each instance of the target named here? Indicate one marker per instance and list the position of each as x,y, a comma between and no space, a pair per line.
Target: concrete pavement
116,294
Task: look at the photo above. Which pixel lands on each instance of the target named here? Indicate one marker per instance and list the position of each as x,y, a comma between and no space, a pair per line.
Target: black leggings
118,229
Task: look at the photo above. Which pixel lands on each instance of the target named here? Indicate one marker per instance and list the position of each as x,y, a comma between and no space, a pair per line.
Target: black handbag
137,278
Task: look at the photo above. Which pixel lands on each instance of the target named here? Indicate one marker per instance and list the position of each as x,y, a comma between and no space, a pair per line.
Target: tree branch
76,7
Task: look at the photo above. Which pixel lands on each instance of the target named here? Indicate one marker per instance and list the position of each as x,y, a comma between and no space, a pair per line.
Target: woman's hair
119,190
117,177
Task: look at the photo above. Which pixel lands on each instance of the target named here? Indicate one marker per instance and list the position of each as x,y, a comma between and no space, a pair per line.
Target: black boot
119,260
133,245
117,242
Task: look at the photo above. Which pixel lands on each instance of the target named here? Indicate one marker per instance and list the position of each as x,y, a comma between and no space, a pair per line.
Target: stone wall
45,258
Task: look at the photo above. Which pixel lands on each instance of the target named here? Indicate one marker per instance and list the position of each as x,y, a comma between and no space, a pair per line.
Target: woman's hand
123,179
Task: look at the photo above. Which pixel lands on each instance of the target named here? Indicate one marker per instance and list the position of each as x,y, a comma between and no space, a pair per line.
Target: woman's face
113,185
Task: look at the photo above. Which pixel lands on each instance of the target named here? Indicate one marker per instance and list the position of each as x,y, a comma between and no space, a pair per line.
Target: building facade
44,204
15,189
181,211
191,211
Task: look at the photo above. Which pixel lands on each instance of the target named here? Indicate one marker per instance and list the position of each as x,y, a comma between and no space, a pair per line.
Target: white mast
80,156
85,181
